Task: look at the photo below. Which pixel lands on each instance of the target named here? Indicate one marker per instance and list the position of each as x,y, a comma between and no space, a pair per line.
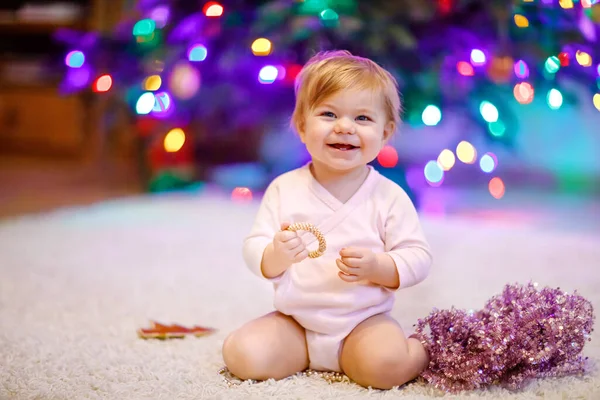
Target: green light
328,15
312,6
497,128
329,18
552,64
554,99
144,27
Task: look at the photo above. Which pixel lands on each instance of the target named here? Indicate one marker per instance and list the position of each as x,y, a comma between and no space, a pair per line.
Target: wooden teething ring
301,226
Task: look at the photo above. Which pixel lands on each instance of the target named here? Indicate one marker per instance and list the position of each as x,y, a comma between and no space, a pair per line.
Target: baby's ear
300,129
388,130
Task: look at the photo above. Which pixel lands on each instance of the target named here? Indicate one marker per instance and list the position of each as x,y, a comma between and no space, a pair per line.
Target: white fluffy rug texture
75,284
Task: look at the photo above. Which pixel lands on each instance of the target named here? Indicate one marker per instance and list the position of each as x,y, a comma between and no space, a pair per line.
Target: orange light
212,9
497,188
103,84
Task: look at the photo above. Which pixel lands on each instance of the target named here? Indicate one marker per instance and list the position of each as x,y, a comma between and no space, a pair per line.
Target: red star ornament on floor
173,331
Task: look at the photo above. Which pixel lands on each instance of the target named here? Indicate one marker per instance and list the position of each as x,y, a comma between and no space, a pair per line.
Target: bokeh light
75,59
596,101
162,102
554,99
184,81
552,64
261,47
144,27
521,69
488,111
145,103
103,83
212,9
152,83
197,52
521,21
78,77
523,92
281,72
466,152
497,128
488,162
464,68
564,59
388,157
446,159
566,4
174,140
329,18
241,195
496,187
477,57
583,58
160,15
432,115
267,74
434,173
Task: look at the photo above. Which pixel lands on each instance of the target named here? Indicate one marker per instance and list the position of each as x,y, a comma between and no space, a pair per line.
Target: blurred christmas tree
206,81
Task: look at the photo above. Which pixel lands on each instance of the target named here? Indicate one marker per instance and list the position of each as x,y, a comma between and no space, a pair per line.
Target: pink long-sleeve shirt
379,216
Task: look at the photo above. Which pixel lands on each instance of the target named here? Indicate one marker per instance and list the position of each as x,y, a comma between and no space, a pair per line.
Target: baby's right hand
288,246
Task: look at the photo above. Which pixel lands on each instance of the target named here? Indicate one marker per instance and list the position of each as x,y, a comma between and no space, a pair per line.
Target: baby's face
347,130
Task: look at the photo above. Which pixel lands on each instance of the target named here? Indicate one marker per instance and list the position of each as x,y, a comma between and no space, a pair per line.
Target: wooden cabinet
35,119
38,121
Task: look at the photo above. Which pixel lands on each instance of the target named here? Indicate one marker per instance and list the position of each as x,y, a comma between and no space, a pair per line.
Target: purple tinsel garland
521,333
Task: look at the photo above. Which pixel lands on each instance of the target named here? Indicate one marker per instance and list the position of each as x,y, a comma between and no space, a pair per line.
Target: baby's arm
258,245
407,258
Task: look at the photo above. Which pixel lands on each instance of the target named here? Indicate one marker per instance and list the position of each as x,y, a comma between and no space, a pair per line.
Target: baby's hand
288,246
356,264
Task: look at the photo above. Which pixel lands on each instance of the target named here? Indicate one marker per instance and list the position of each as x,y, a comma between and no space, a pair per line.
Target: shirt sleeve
405,241
266,224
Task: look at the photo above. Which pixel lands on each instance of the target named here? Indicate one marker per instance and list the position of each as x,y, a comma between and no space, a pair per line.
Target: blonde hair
326,73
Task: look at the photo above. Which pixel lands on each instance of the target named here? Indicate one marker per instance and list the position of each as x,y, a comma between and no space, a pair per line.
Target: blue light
267,74
434,173
197,53
488,162
75,59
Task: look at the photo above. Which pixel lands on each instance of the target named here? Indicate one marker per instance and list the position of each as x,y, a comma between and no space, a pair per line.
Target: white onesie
379,216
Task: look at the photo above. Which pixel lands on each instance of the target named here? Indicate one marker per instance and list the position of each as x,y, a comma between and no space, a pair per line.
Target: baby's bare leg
377,354
272,346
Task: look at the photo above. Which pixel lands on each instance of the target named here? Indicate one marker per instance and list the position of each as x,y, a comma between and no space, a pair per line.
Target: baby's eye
363,118
328,114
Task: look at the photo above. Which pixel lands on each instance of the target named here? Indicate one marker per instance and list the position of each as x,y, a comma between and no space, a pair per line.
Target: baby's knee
383,370
244,358
382,363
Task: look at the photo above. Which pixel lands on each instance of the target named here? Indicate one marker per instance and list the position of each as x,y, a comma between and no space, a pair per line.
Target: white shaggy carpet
75,285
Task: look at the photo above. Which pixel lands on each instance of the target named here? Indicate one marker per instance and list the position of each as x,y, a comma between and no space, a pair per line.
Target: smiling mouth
343,147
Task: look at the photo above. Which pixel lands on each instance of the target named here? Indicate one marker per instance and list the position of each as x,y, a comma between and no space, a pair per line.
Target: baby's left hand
356,264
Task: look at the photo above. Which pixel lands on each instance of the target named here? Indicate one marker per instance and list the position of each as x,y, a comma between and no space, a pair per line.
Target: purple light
160,15
78,77
521,69
281,72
